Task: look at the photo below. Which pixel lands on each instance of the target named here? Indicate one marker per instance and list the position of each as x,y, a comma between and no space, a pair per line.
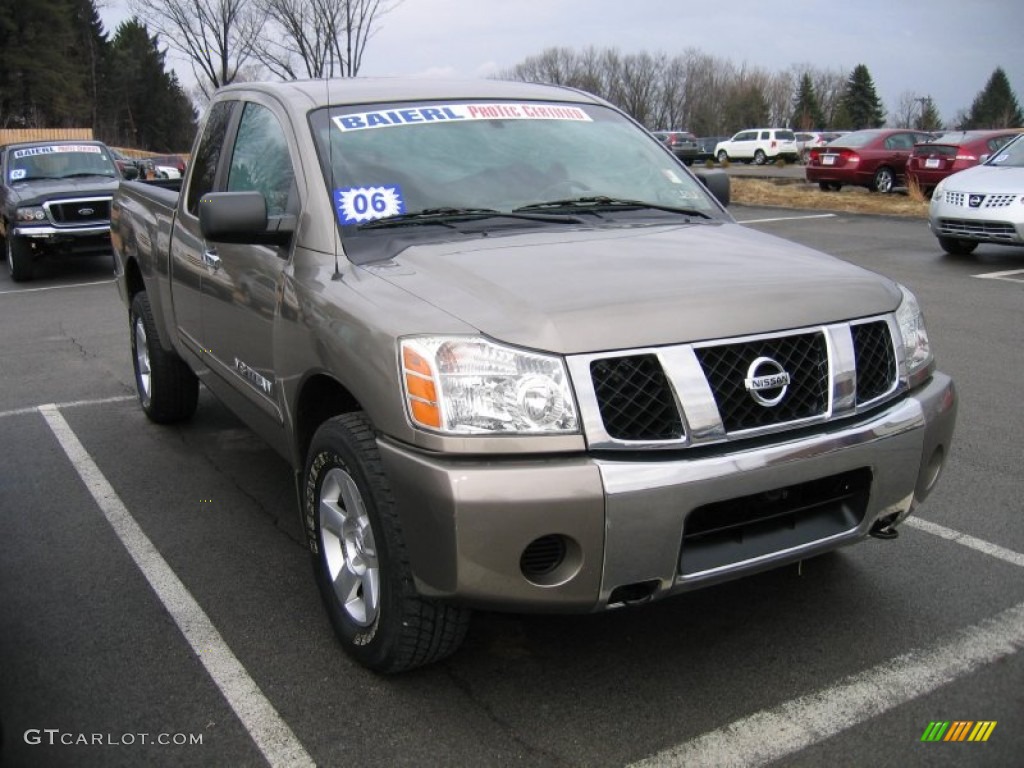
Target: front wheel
359,556
19,258
956,247
884,180
760,157
168,390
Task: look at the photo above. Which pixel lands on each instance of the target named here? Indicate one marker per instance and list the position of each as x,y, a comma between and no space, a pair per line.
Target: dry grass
850,199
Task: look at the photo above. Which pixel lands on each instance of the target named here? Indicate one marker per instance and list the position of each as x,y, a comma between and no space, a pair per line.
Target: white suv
760,145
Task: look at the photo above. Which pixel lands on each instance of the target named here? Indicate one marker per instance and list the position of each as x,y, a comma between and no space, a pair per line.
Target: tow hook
882,529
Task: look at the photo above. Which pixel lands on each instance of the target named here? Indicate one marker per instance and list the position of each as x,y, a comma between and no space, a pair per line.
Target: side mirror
130,172
717,183
241,217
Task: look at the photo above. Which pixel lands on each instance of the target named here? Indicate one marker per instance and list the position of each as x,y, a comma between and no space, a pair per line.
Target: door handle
211,259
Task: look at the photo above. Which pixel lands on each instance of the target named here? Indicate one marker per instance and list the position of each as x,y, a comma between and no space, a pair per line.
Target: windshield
495,157
1010,155
59,161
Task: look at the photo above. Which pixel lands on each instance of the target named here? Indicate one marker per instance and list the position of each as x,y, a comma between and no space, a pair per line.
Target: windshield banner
31,151
454,112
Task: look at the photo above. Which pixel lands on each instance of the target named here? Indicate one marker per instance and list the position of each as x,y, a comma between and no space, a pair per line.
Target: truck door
241,297
189,260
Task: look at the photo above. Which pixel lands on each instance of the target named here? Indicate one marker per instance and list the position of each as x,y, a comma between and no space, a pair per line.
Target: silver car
983,204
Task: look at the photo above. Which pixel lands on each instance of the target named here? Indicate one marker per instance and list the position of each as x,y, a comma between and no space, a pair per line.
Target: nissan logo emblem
766,381
975,201
86,211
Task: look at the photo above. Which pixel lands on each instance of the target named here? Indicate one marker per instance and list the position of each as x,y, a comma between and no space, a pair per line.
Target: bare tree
906,110
218,37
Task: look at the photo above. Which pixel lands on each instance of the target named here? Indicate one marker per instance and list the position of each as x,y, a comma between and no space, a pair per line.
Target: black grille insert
634,398
81,212
803,356
739,529
876,360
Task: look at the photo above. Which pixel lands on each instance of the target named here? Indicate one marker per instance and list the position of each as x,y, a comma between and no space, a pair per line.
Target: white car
983,204
761,145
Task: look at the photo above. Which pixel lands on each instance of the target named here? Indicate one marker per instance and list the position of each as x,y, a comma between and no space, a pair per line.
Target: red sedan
932,162
873,158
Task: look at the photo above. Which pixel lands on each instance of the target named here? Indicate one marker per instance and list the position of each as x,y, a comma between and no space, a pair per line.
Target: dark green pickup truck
519,357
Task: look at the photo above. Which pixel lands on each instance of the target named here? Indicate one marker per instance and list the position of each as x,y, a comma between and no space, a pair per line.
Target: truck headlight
31,215
470,385
918,361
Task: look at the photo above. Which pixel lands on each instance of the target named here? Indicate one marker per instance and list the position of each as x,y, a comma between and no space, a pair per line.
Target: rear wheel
883,181
723,157
359,556
760,157
19,258
168,390
956,247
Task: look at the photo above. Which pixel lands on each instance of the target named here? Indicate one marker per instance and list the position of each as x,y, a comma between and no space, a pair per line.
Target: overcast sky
943,48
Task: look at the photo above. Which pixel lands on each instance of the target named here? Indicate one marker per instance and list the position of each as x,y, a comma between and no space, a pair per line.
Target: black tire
723,157
358,549
168,389
884,180
956,247
19,259
760,157
829,186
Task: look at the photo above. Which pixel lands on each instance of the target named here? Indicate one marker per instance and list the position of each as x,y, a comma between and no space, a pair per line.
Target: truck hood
586,291
39,191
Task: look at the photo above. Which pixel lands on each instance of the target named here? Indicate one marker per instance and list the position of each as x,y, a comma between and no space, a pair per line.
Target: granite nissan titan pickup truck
54,198
519,357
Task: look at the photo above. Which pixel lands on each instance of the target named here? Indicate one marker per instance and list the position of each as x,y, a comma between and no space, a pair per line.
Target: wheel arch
321,397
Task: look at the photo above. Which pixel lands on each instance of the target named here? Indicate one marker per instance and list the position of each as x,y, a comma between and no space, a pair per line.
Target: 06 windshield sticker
32,151
455,112
356,205
17,174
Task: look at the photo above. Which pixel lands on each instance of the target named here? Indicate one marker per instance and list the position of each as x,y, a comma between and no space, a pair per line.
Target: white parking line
1012,275
58,287
271,734
773,734
992,550
72,404
790,218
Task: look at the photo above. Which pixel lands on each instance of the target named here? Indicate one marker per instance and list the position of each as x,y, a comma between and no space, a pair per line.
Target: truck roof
306,94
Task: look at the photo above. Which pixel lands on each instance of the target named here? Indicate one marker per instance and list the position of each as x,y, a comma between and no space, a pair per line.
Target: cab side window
207,157
260,161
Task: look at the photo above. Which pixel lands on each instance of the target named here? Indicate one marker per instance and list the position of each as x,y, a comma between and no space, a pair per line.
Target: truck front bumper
585,533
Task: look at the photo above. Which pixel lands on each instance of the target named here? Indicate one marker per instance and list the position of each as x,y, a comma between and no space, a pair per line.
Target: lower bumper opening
747,527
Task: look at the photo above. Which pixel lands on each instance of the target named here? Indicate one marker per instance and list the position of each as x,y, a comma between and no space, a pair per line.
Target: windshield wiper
601,202
86,173
442,217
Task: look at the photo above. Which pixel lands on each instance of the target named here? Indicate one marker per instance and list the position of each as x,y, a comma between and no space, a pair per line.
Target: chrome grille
803,357
79,212
696,394
998,201
876,360
995,230
956,198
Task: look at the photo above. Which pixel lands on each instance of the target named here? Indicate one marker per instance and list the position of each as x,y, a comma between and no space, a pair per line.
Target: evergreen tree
860,101
807,112
152,111
929,119
996,106
44,74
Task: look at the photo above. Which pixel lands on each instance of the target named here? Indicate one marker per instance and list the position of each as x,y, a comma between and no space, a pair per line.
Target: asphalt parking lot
157,606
